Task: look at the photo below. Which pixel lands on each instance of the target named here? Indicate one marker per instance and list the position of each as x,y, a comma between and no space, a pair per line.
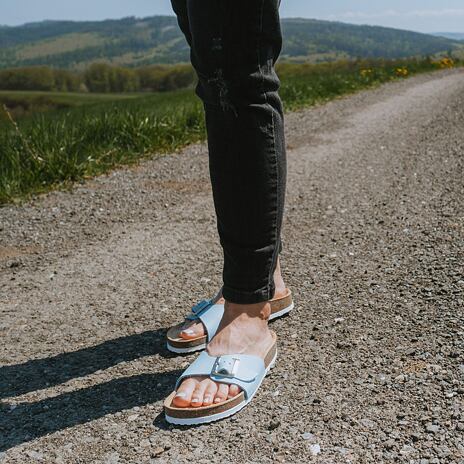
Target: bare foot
243,330
195,329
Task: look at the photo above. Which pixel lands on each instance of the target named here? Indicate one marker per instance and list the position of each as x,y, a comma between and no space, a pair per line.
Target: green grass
96,133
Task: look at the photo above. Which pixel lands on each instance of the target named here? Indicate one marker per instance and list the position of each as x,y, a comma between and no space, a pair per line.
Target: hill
135,41
450,35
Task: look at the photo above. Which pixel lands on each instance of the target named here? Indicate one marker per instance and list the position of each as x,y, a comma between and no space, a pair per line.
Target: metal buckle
225,367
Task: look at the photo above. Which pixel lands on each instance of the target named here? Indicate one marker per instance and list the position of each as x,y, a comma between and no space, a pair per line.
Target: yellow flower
446,62
365,72
402,72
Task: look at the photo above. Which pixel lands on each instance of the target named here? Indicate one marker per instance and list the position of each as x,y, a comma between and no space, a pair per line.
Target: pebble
308,436
315,449
407,449
432,428
35,455
389,444
275,423
368,423
112,458
158,451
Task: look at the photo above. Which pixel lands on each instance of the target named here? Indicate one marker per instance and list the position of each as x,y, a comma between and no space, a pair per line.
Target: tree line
99,77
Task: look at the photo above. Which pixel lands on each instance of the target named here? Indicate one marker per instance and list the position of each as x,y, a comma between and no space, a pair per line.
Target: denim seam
266,100
276,233
258,51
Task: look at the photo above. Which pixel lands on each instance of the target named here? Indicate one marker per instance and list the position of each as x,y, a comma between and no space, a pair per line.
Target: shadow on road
43,373
33,420
28,421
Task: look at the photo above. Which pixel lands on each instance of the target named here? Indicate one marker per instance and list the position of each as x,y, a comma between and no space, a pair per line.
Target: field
57,45
60,138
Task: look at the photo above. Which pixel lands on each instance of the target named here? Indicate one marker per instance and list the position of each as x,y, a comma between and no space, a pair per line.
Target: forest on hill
135,42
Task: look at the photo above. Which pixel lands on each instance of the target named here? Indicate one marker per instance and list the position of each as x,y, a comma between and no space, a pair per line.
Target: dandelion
446,63
366,73
402,72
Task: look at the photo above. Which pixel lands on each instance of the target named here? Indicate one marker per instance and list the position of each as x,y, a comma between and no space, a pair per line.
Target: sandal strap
209,314
203,305
243,370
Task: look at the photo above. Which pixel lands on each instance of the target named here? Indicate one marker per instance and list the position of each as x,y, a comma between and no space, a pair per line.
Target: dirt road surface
371,361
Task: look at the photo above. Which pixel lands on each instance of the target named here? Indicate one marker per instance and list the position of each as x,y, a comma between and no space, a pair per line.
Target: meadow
59,138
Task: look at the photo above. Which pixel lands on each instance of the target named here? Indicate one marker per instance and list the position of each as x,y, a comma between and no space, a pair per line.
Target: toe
199,393
193,331
222,392
210,393
233,391
183,396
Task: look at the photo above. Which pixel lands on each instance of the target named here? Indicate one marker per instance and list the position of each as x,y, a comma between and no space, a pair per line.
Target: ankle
260,311
279,280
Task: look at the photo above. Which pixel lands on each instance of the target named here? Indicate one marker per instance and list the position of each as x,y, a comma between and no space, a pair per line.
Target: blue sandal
210,314
245,371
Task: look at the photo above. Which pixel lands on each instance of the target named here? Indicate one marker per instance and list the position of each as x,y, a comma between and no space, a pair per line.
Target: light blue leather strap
245,371
201,366
208,313
211,319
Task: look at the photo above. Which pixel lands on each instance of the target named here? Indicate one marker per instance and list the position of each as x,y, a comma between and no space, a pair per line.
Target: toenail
207,399
181,395
195,400
188,331
217,400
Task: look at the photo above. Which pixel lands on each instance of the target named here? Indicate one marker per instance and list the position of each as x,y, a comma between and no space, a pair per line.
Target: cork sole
214,412
177,344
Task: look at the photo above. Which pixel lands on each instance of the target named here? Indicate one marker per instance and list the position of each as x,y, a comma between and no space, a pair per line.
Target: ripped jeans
234,45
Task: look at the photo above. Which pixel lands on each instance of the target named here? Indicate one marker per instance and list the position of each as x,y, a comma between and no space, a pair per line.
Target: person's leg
234,46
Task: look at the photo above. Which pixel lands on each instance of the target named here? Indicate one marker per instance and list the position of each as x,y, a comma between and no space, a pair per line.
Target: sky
416,15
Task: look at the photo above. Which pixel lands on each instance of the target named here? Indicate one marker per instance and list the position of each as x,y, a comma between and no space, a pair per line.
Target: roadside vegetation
52,139
98,77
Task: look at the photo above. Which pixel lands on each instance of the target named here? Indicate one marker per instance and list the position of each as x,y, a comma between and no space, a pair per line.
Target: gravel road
371,363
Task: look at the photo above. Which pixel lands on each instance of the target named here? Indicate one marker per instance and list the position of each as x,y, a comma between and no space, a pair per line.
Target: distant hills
135,41
450,35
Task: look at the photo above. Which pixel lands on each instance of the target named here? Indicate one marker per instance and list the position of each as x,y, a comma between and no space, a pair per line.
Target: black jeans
234,45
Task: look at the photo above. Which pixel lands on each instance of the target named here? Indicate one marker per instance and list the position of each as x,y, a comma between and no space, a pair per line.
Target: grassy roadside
53,149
